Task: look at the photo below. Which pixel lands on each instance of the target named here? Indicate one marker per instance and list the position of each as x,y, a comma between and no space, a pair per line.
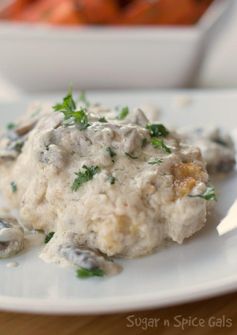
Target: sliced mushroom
64,248
10,148
80,256
12,141
225,165
139,117
132,140
84,257
217,148
11,237
25,128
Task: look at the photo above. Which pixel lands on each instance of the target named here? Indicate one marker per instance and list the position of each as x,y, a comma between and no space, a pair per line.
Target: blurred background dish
105,12
98,52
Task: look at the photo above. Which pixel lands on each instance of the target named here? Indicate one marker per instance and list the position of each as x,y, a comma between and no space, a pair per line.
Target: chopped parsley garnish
112,180
131,156
11,126
159,144
84,176
102,119
111,152
71,114
208,194
88,273
13,187
80,118
155,161
48,237
123,113
144,142
157,130
82,98
67,106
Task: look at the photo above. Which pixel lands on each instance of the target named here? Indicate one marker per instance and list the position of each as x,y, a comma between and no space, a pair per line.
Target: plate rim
117,304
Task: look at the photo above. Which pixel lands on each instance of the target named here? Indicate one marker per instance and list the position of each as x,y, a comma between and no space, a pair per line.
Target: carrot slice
39,10
11,11
122,12
164,12
66,14
99,11
181,12
139,12
53,11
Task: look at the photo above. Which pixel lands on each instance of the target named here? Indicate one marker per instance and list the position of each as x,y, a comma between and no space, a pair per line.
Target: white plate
41,58
204,266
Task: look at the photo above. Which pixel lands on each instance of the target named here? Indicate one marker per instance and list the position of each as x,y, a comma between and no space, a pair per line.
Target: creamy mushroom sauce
217,147
11,237
139,195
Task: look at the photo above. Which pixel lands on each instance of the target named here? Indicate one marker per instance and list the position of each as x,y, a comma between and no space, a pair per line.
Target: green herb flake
82,98
81,119
11,126
157,130
84,176
102,119
155,161
68,104
13,187
130,155
159,144
123,113
71,115
112,180
111,152
84,273
48,237
208,194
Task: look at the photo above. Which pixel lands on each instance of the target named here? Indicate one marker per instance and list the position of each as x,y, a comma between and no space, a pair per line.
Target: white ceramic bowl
41,58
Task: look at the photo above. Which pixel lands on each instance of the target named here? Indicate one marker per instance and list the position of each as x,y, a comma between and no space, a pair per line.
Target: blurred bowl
43,58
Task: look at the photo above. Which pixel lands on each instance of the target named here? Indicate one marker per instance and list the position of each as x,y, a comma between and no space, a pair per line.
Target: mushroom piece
13,140
11,145
217,148
11,237
25,128
138,117
84,257
67,248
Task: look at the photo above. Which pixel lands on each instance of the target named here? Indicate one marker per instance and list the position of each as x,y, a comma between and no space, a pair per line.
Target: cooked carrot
66,14
99,11
39,10
167,12
186,12
53,11
15,8
139,12
122,12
